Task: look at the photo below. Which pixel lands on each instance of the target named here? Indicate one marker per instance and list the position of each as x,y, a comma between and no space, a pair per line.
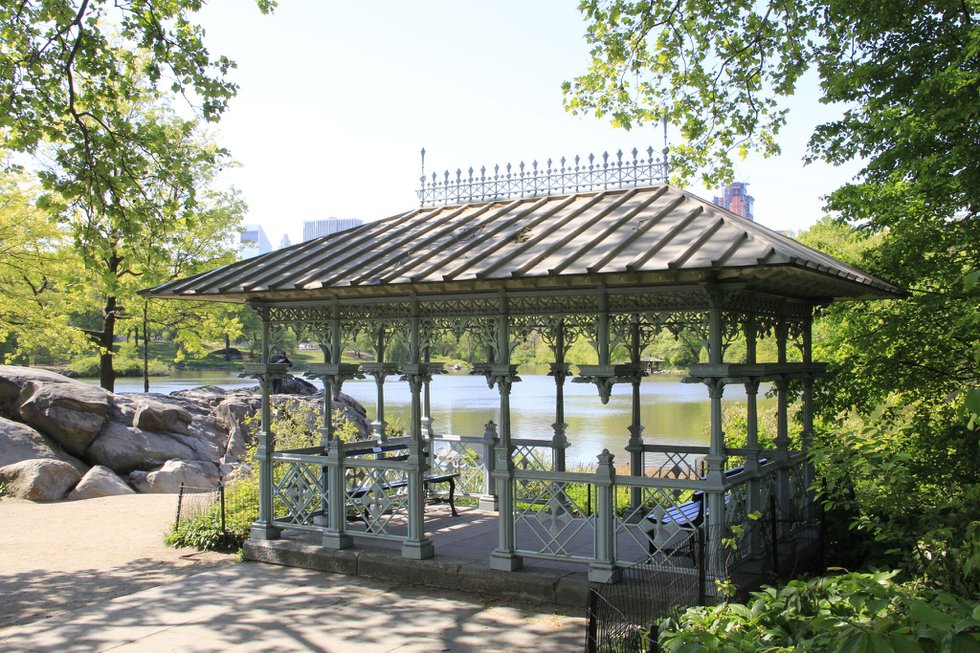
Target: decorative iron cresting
574,175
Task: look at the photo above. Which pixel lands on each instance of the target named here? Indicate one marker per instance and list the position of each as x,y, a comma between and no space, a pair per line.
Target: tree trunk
227,348
107,375
146,348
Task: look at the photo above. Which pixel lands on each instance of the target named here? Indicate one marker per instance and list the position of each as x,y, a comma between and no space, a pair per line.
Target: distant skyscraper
316,228
254,241
284,241
736,199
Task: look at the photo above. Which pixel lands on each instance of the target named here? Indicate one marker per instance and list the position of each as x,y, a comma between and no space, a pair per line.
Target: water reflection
672,412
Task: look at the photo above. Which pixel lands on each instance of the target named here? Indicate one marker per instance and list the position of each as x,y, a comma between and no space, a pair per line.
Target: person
277,384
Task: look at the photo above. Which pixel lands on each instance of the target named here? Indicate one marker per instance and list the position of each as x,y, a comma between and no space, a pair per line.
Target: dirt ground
60,556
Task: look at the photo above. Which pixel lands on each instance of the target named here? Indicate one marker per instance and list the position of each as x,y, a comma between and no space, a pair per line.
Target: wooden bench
448,478
685,518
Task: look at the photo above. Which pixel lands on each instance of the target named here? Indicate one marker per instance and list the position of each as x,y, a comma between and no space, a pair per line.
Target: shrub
204,531
849,612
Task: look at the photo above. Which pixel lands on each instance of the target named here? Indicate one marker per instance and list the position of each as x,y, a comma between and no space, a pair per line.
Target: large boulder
205,395
71,413
20,442
162,414
124,449
99,482
12,380
231,414
40,479
295,385
194,475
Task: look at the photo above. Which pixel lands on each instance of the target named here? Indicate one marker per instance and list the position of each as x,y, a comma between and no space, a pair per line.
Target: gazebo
607,254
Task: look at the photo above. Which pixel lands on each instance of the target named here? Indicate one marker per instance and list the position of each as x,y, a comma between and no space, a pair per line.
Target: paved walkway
256,607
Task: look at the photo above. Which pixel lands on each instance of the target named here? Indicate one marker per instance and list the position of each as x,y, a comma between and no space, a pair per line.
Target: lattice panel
456,457
799,502
378,498
297,492
749,303
537,458
550,522
667,301
585,304
384,311
738,524
470,306
674,464
767,489
663,524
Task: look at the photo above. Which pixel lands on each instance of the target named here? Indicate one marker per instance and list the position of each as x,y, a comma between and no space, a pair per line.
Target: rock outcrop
193,475
52,429
71,413
99,482
39,479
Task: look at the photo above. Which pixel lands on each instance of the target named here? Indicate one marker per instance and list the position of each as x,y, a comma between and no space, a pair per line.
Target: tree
53,48
35,278
84,86
907,78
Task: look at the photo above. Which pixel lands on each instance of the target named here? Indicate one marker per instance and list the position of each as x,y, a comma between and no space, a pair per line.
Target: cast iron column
416,546
263,528
504,557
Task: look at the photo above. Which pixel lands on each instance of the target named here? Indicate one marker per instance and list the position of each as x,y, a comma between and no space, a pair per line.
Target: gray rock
100,481
20,442
206,394
71,413
124,449
231,415
162,414
294,385
14,377
168,479
39,479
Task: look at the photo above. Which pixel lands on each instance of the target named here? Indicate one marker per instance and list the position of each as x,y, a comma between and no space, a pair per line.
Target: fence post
774,534
180,499
221,497
653,639
592,629
702,566
603,567
488,499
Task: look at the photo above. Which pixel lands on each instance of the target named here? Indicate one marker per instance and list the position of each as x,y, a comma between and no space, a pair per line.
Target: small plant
3,489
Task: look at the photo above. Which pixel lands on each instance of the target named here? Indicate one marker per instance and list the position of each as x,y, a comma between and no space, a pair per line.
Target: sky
337,99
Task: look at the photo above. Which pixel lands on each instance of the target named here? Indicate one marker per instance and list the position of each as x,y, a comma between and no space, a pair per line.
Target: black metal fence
623,617
226,510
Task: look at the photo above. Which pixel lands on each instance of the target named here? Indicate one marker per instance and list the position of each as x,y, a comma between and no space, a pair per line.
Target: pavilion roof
649,235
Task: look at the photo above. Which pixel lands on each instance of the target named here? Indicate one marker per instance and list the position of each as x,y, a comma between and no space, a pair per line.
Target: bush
295,425
88,366
204,532
849,612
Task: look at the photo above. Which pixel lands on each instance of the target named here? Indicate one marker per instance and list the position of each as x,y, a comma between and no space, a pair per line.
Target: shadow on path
260,607
29,596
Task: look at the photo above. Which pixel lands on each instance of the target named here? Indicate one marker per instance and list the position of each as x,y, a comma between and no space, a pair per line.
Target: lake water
672,412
